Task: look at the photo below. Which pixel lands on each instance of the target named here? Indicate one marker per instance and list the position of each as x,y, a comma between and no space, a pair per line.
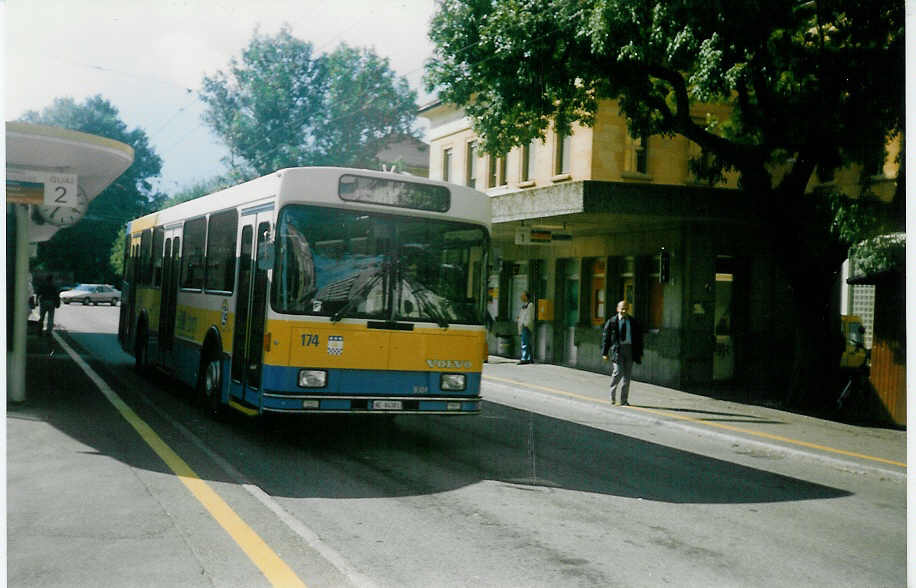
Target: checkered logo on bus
335,345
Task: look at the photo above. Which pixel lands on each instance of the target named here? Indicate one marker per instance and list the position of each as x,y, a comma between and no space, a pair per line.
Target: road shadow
371,457
515,447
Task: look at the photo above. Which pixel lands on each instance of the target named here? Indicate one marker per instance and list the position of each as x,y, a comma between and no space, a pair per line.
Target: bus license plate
387,404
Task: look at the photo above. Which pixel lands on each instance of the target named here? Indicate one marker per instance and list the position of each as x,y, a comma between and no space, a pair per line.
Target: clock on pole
64,213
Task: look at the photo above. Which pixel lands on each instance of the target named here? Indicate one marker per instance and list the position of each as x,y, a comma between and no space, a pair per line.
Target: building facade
584,220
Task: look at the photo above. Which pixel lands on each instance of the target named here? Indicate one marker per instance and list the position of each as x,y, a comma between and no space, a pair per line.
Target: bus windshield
354,264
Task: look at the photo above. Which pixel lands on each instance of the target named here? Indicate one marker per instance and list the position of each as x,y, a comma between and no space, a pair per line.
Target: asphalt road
559,494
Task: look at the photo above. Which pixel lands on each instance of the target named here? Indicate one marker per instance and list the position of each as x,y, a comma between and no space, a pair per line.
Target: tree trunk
811,257
818,345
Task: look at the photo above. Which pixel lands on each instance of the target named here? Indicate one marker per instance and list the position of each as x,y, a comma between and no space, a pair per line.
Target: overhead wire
175,114
171,117
363,97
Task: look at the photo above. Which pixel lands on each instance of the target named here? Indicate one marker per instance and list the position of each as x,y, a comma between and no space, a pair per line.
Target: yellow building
584,220
604,152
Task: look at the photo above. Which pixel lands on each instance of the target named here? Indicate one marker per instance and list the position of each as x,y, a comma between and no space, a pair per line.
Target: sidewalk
862,448
78,496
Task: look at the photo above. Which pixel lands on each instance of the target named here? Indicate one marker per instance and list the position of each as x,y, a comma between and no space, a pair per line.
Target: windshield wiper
430,309
358,297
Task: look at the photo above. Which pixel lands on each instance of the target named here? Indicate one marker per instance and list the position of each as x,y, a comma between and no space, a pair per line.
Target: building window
446,164
497,172
698,164
528,162
471,165
598,291
563,154
641,154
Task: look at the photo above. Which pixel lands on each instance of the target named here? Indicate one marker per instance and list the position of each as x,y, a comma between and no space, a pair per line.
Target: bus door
251,305
128,295
132,272
169,294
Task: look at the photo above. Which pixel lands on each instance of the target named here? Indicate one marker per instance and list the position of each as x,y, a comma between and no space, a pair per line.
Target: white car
91,294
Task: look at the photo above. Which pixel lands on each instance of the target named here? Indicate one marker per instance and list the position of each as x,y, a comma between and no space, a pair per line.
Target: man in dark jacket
48,300
622,338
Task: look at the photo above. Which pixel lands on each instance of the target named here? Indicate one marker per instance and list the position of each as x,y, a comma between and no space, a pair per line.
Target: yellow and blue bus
315,290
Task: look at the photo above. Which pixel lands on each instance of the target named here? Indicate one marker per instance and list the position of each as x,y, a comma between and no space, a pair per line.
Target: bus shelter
52,174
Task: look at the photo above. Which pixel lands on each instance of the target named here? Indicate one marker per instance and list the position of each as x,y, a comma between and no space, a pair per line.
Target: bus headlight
452,382
313,378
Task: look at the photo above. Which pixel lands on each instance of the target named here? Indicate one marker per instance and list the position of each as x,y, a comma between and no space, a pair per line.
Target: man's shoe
624,404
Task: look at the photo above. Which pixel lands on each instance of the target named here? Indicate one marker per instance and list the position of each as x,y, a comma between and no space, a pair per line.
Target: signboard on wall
529,236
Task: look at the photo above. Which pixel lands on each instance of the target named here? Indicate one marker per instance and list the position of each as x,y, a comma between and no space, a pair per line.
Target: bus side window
192,258
156,261
223,228
146,258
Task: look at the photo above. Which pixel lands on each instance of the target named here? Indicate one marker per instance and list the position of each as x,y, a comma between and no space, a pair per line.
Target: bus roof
319,186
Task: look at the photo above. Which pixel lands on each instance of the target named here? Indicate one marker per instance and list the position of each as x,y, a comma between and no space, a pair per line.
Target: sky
148,58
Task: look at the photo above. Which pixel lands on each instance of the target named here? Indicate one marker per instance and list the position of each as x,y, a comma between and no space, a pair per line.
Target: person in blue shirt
621,337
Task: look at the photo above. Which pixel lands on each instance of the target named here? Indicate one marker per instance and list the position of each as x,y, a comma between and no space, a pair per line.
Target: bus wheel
210,384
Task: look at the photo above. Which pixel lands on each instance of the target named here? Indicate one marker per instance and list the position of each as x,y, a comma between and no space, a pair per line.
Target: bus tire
210,383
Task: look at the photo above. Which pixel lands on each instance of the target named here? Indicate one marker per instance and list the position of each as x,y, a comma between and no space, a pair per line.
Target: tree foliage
282,105
85,249
818,83
813,87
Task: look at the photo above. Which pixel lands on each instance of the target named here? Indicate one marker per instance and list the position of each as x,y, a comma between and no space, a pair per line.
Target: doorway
251,306
723,362
568,293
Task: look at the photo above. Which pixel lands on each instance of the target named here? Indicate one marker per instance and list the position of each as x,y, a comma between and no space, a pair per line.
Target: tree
283,106
86,247
813,87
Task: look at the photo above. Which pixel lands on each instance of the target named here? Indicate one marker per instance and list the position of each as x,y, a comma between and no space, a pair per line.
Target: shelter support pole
16,365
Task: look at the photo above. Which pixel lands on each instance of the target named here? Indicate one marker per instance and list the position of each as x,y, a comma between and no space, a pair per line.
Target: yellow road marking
260,554
707,423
